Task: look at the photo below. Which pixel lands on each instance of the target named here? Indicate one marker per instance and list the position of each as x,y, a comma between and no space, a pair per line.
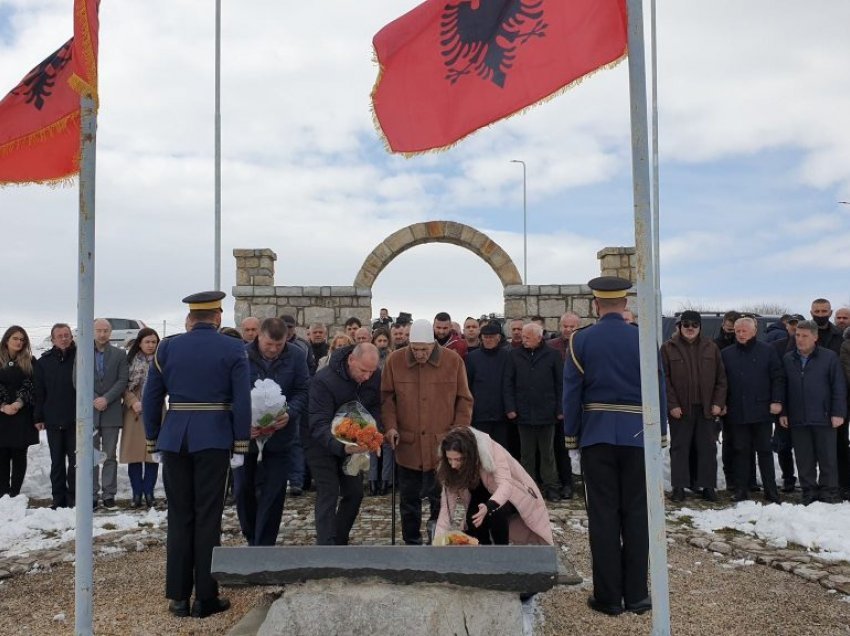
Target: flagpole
648,323
217,145
85,370
656,204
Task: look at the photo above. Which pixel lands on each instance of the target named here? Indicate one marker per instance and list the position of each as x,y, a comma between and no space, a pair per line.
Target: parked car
124,330
712,322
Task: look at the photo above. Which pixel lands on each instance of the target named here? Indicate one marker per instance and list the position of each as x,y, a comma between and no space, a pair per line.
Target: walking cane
392,505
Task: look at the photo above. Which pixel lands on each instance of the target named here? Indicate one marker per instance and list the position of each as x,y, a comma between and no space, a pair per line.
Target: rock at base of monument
567,574
368,607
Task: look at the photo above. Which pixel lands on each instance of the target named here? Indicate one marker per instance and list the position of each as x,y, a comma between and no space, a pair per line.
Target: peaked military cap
205,301
609,286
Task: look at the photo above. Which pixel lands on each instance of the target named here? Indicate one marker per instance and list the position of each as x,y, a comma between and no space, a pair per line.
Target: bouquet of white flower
267,404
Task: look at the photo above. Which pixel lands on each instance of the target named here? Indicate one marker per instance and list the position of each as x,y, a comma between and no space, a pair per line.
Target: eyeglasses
686,324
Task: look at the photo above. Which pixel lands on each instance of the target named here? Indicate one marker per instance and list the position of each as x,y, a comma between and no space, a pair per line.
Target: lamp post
524,223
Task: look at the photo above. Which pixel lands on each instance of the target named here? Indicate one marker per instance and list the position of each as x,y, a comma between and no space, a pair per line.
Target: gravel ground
709,595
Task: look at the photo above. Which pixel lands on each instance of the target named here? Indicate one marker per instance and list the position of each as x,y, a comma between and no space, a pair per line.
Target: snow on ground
24,529
820,527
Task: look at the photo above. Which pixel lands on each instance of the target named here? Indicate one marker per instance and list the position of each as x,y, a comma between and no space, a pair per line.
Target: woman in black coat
17,426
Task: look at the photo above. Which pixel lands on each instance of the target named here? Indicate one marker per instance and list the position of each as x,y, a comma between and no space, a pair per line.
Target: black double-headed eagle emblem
482,36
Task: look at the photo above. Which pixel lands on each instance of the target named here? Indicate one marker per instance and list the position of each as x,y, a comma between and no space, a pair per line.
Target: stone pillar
254,267
618,261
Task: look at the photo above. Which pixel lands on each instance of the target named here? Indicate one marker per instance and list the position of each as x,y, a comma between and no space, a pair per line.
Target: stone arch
438,232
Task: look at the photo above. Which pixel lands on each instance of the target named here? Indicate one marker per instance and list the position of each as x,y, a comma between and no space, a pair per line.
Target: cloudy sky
754,146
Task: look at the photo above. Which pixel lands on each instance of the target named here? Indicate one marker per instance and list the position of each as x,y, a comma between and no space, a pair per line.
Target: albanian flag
450,67
40,117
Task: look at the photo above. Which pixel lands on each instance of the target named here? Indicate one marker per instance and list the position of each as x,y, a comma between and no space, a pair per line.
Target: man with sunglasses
696,395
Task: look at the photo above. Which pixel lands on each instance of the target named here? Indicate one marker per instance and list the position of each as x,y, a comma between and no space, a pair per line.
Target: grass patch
109,526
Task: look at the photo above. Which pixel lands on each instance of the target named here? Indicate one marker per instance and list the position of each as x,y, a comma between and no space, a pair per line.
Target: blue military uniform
205,375
603,416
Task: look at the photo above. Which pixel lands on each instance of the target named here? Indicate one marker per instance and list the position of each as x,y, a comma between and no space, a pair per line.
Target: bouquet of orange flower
455,537
353,425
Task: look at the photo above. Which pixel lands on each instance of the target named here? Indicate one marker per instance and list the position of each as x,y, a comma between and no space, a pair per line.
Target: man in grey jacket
110,380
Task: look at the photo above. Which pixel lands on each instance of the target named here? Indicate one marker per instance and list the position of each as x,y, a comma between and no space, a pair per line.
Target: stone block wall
257,295
331,305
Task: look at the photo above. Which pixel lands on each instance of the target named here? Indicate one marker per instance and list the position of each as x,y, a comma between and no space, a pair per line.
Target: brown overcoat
711,385
422,402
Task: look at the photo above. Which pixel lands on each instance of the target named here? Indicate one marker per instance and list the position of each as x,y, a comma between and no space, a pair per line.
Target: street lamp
524,224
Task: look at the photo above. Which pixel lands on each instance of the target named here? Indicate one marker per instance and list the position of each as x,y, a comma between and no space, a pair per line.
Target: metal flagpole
217,145
646,289
85,371
656,204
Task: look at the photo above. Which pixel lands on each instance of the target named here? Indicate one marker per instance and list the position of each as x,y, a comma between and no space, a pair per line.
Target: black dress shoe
567,491
604,608
137,501
641,607
709,494
678,495
788,486
150,501
552,495
202,609
373,488
179,608
386,487
109,503
740,495
772,496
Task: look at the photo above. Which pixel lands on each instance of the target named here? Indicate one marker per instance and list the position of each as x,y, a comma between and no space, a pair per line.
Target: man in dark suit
206,377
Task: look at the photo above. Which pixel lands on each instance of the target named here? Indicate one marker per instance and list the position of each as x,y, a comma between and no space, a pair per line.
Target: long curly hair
24,358
461,440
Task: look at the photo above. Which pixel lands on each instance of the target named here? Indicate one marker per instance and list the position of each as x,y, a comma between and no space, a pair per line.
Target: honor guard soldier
603,417
205,374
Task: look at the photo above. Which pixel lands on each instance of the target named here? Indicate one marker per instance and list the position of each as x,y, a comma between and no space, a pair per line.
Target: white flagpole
85,371
656,203
648,323
217,281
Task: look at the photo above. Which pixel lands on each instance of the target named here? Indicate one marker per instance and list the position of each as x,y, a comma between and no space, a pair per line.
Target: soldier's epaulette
573,356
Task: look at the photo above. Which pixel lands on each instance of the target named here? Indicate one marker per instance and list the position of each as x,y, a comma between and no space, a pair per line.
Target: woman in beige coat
498,501
141,468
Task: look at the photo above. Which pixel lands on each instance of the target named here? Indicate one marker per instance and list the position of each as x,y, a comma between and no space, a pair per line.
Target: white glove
237,460
157,457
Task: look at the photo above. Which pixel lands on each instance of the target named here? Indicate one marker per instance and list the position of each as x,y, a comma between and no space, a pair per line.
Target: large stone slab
366,608
508,568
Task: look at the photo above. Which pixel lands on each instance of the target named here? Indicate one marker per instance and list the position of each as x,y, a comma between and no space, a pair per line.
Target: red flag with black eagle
40,117
450,67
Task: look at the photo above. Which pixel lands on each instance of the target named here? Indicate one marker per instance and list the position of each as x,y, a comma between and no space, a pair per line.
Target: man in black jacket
816,404
533,385
756,382
352,374
56,411
485,367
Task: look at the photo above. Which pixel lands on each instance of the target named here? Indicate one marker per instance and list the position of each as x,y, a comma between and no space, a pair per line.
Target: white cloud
304,173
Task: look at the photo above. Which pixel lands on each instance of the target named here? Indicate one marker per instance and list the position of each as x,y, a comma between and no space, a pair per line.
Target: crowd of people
529,397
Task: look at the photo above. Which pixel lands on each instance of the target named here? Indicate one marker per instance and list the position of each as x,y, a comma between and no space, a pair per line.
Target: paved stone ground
720,583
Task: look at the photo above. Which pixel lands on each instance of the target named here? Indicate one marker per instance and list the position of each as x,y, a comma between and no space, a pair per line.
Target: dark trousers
563,464
142,477
539,439
63,460
814,448
728,455
194,485
298,466
13,468
842,457
494,529
414,486
749,438
784,449
259,488
497,430
338,498
697,433
615,482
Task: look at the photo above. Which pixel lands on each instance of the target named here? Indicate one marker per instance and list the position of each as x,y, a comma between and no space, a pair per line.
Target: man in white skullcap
424,393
